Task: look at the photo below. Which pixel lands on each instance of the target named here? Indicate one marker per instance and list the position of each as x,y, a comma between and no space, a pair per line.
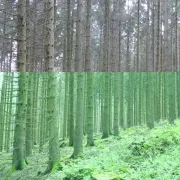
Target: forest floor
138,154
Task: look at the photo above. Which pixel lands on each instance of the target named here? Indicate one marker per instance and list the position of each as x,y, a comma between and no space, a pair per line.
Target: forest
89,126
90,35
89,89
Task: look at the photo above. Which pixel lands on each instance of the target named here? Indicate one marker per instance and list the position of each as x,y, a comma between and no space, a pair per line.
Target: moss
79,155
26,161
56,167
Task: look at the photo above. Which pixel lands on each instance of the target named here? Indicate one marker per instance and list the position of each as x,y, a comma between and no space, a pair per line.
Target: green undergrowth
138,154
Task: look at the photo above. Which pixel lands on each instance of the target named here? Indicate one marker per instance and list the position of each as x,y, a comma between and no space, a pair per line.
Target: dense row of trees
92,35
41,107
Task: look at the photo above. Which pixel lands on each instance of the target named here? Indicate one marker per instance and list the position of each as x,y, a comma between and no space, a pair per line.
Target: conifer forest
71,126
89,89
90,35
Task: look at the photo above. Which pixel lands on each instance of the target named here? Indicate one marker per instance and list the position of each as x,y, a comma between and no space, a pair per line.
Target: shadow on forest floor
140,153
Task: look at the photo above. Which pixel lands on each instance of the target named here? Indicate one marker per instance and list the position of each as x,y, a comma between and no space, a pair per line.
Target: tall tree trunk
33,57
115,61
148,38
21,55
116,104
29,116
105,107
28,49
52,118
79,63
127,63
69,57
106,37
71,109
138,40
166,55
89,109
153,66
88,57
158,59
49,47
78,139
19,157
176,37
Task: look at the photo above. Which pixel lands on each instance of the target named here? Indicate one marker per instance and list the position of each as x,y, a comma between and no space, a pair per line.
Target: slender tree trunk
116,104
153,38
89,113
3,62
28,49
79,63
88,57
33,57
69,57
176,37
167,64
21,56
78,139
49,47
138,40
106,37
105,107
127,63
29,116
148,39
65,121
71,109
158,59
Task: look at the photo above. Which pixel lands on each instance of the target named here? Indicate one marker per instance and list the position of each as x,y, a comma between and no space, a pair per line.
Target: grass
138,154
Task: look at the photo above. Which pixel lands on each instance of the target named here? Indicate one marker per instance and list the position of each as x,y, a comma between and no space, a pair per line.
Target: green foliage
56,167
106,176
140,154
10,172
157,144
80,174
